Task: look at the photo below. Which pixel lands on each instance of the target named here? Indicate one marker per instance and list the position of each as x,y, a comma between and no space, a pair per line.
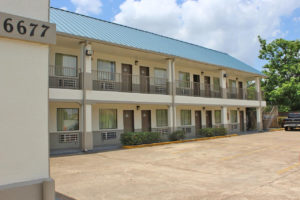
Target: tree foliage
282,83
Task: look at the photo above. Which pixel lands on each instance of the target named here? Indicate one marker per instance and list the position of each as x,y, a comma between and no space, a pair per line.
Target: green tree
282,83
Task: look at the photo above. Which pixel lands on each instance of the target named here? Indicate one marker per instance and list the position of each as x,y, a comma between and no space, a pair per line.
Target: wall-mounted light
237,79
89,52
136,62
138,107
203,108
224,75
238,108
202,73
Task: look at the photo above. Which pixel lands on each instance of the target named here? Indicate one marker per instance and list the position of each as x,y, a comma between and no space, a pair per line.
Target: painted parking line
245,154
289,168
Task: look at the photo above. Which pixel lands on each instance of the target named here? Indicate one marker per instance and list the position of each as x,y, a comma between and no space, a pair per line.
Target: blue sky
284,21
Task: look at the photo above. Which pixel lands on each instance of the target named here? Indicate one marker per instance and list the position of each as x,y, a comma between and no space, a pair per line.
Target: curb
178,141
277,129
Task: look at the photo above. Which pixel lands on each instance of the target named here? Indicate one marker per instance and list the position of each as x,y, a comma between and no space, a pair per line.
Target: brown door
126,78
146,120
198,120
208,119
207,86
196,85
242,121
240,90
144,80
128,121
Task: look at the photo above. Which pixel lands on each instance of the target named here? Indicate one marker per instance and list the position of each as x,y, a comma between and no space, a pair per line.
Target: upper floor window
67,119
106,70
186,118
184,79
161,118
65,65
160,76
108,119
216,84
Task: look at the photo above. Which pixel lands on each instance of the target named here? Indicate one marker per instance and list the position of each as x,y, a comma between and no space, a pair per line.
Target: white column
223,83
257,86
172,91
86,65
259,118
203,118
224,120
87,136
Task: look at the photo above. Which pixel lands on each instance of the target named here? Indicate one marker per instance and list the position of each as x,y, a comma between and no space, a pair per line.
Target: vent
68,138
109,135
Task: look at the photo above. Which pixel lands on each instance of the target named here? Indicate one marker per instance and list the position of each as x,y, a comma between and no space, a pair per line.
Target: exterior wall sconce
202,73
237,79
89,52
238,108
136,62
224,75
138,107
203,108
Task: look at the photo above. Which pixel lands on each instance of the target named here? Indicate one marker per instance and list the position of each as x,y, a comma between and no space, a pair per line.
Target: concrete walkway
257,166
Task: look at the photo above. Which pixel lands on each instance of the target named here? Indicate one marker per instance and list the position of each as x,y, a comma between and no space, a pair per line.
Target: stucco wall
24,100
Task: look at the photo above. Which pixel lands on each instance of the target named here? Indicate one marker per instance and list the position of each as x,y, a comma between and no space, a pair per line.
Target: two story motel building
106,79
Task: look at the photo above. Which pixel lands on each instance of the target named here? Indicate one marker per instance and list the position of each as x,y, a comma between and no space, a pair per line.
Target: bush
220,131
177,135
210,132
136,138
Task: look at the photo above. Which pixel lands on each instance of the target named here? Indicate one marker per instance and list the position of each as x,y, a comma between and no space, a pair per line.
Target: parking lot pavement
257,166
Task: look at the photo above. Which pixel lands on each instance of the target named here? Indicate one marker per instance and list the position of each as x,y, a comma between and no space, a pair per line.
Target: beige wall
24,102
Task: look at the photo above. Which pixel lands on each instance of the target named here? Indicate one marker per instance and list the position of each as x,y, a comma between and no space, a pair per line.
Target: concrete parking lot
256,166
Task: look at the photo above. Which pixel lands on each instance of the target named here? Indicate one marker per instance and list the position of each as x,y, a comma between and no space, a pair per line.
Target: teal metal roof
88,27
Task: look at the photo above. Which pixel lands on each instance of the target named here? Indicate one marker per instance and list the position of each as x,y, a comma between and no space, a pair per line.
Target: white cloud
296,19
230,26
64,8
87,6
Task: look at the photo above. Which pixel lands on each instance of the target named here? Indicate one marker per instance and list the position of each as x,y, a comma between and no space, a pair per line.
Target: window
184,79
65,65
161,118
186,117
106,70
160,76
108,119
67,119
233,116
216,84
217,116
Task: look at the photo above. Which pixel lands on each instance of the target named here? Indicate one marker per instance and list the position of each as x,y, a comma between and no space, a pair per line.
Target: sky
230,26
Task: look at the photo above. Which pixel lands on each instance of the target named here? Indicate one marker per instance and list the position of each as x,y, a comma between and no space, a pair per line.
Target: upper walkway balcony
108,81
63,77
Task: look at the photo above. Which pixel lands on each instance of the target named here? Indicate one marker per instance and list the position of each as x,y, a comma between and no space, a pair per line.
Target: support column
172,92
224,120
223,83
258,119
257,87
87,132
86,84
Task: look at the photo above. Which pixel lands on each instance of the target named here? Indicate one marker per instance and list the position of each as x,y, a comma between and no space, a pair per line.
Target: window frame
113,74
182,121
184,83
116,125
57,129
236,116
157,124
70,55
220,116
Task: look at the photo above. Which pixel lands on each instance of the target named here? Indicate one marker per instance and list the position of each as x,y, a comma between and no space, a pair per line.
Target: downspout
83,97
173,95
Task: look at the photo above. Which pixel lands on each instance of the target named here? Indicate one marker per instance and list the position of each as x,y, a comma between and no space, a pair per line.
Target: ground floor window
186,118
108,119
161,118
233,116
217,116
67,119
